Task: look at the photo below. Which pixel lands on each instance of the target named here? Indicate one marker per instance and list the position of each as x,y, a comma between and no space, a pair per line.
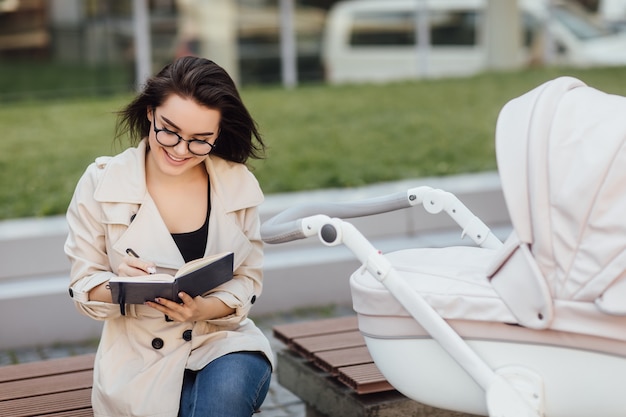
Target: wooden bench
53,388
327,365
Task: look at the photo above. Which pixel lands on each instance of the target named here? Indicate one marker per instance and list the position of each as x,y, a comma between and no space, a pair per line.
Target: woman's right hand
129,267
132,267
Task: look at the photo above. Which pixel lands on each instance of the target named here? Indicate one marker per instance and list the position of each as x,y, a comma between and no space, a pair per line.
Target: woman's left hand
191,309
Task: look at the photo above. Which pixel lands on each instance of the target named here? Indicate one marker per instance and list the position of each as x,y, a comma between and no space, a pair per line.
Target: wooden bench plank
83,412
286,332
47,367
52,388
364,379
33,387
337,347
47,404
307,346
330,361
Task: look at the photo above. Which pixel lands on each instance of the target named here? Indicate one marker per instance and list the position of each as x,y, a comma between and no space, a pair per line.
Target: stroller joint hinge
476,230
378,266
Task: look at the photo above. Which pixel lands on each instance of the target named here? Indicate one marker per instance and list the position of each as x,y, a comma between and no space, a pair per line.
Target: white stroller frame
334,231
517,388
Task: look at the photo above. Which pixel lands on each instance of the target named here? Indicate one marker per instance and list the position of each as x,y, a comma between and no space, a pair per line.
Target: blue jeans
233,385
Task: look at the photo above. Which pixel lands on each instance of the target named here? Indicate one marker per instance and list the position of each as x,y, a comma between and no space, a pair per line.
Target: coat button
71,293
253,299
187,335
157,343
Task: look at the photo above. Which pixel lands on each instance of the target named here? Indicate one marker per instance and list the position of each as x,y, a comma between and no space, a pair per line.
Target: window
447,28
453,28
383,28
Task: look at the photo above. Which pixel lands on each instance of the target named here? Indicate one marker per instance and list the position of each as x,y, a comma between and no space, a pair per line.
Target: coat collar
124,180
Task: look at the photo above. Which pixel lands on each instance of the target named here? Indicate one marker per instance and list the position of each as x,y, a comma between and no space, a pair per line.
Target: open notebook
194,278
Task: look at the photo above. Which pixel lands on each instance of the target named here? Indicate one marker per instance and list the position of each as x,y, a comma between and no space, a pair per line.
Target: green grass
346,136
318,136
20,79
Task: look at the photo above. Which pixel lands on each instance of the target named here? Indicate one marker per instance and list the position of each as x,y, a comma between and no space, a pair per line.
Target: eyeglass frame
180,138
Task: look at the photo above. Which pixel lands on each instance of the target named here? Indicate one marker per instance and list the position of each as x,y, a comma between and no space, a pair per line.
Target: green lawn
318,136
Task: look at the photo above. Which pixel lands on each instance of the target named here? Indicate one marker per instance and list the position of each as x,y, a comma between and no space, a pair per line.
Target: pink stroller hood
562,163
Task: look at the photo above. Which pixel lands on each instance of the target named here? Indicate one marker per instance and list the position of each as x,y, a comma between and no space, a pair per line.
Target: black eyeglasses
170,139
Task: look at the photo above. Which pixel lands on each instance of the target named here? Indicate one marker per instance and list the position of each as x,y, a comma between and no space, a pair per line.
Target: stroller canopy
562,163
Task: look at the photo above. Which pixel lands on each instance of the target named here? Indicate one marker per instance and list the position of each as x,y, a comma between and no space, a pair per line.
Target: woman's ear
149,114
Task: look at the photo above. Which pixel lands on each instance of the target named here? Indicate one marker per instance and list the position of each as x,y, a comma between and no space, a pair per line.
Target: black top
193,244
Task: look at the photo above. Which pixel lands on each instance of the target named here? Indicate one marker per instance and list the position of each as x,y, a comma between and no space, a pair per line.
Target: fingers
186,298
143,265
132,266
175,311
166,307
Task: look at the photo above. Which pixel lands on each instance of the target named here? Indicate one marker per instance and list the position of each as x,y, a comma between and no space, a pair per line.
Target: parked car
376,40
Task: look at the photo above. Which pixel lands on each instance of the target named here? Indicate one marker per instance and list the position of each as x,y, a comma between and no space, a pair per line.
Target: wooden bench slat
364,379
286,332
83,412
337,347
312,344
47,367
45,385
47,404
331,360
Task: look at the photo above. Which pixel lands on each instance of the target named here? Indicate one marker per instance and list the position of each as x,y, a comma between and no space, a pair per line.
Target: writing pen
131,252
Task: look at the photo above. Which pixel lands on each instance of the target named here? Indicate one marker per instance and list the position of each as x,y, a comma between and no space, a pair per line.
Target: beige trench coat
141,358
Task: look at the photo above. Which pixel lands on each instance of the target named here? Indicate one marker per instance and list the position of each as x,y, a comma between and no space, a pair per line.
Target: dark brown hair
209,85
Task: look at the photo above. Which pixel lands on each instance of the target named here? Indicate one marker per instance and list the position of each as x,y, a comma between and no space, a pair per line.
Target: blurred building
244,36
241,35
24,28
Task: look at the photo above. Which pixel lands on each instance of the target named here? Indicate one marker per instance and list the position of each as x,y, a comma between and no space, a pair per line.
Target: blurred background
75,47
42,41
354,98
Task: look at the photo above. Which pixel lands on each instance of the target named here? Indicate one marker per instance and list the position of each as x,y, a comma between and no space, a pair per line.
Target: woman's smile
175,159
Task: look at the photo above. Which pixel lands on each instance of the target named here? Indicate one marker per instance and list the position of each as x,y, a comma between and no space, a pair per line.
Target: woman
182,192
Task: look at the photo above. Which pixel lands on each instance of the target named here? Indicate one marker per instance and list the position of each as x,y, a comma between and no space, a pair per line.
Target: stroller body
533,326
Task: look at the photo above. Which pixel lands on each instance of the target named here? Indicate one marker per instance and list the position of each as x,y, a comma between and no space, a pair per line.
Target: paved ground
279,402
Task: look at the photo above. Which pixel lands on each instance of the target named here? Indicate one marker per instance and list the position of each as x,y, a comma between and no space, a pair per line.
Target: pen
132,253
151,269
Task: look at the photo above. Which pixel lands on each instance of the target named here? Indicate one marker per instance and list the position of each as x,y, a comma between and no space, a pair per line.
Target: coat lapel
150,238
126,202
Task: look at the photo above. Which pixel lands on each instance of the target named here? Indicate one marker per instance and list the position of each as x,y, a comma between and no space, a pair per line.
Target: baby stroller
534,326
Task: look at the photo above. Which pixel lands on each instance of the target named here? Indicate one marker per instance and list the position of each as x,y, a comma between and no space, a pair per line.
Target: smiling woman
174,200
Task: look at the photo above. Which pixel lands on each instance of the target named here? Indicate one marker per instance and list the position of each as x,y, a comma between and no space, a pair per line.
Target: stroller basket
534,326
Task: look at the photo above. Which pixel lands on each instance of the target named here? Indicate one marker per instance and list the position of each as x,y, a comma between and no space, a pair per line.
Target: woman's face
176,118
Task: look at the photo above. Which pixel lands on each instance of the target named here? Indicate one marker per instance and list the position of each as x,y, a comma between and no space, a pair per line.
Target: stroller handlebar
288,225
